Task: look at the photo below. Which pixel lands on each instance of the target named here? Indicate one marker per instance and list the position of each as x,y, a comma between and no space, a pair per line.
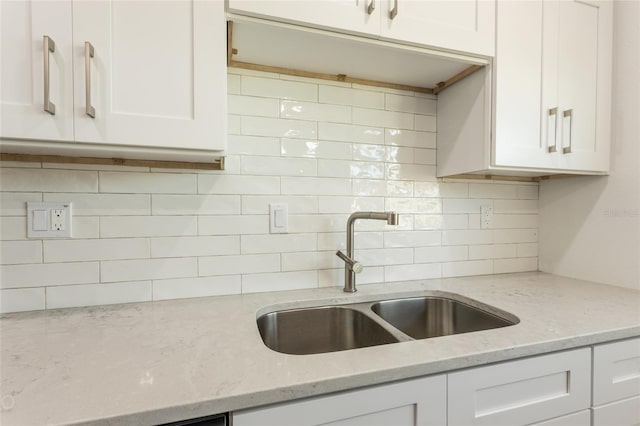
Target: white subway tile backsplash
470,267
49,274
315,186
250,105
328,204
233,225
414,172
492,190
354,169
352,97
147,226
425,123
104,249
410,104
22,299
15,203
98,294
418,271
412,238
253,145
153,183
492,251
244,263
297,204
13,228
195,204
441,254
279,166
326,149
523,264
338,240
196,287
221,184
280,89
18,252
147,269
44,180
278,127
375,117
277,243
315,149
352,134
316,112
278,281
194,246
410,138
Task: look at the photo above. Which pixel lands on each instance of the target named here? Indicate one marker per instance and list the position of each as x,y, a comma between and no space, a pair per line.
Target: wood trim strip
331,77
509,178
33,158
456,78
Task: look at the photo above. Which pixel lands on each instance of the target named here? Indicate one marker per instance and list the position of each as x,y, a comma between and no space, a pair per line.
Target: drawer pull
88,54
567,149
553,112
394,11
49,47
371,7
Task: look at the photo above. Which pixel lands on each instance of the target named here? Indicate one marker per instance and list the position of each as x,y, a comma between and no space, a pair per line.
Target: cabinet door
518,141
521,392
579,51
353,16
616,371
158,74
23,26
462,25
621,413
410,403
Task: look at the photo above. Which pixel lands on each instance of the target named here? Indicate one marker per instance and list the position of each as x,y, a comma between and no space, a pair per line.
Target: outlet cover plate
49,220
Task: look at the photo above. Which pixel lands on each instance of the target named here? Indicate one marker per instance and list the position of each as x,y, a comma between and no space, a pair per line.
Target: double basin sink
340,327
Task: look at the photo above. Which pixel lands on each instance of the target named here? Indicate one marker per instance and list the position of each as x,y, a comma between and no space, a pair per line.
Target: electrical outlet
486,217
58,218
49,220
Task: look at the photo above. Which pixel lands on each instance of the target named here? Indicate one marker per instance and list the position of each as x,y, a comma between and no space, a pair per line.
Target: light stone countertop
156,362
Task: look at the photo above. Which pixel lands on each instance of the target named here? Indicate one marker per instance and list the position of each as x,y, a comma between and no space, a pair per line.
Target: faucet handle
357,267
354,265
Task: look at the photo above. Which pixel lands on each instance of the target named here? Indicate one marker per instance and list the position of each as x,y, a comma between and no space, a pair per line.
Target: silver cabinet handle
88,54
371,7
394,11
568,113
553,112
49,46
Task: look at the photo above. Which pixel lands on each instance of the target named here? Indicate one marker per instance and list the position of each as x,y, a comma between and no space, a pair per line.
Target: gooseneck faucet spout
352,267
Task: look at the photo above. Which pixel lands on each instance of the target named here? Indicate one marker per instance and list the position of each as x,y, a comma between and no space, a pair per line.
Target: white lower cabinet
417,402
521,392
616,383
581,418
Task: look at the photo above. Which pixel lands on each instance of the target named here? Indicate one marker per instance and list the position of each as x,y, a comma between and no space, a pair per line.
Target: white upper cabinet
465,26
155,77
23,28
462,25
548,99
141,75
354,16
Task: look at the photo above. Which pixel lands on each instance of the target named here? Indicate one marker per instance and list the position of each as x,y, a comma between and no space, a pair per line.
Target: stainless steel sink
319,330
424,317
334,328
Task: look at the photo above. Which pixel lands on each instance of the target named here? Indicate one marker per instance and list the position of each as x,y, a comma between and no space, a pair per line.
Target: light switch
40,220
278,218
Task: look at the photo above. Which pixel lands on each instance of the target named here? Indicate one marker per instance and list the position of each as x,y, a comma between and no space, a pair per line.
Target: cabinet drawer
616,371
621,413
419,402
521,392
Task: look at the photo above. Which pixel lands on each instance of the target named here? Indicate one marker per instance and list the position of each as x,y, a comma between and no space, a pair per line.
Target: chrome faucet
351,266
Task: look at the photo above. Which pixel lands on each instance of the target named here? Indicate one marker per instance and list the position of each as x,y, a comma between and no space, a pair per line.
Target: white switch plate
278,218
49,220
